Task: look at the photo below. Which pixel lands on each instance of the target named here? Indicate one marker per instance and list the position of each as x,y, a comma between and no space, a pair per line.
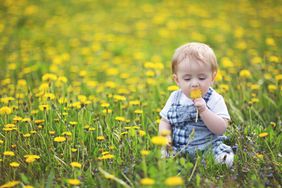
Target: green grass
119,54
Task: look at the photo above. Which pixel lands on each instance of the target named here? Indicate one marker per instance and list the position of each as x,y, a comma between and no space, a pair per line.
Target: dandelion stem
197,114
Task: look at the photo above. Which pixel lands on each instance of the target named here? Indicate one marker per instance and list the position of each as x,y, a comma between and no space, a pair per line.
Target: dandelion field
83,82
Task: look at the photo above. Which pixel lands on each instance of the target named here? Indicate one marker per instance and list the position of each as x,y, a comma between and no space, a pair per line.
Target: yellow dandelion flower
107,156
73,150
86,127
48,76
150,73
256,60
9,129
9,153
67,133
62,100
278,77
264,134
21,83
226,62
52,132
91,129
223,87
172,88
254,100
271,87
31,158
138,111
245,73
119,98
105,153
159,140
259,156
100,138
105,104
174,181
30,10
73,123
59,139
147,181
1,141
270,41
73,181
26,135
119,118
135,102
14,164
17,119
110,84
10,184
75,164
44,107
255,87
82,98
10,125
6,110
142,133
219,76
274,59
107,111
196,93
145,152
26,120
6,100
62,79
5,81
39,121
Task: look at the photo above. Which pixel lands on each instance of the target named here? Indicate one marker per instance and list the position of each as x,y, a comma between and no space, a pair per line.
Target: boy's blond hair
194,51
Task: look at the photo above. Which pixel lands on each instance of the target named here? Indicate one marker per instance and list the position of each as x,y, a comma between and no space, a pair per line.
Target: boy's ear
175,78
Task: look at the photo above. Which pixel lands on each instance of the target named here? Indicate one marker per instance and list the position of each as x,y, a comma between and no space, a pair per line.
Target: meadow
82,84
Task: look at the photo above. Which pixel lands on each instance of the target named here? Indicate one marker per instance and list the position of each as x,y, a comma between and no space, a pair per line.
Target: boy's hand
200,104
167,133
165,150
169,144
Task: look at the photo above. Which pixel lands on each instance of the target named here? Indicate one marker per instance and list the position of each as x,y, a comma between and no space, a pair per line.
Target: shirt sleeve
164,111
219,107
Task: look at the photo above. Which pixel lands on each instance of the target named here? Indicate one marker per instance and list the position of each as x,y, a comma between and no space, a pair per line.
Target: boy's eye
202,78
187,79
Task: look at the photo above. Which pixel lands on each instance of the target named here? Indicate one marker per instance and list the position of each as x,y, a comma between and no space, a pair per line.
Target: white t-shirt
215,103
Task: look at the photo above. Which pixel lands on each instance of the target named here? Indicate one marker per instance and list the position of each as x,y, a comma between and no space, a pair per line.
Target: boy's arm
165,130
214,122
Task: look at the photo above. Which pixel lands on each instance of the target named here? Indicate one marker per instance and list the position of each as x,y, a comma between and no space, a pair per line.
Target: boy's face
192,75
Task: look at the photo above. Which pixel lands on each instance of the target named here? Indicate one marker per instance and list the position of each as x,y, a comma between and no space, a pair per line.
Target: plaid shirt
188,135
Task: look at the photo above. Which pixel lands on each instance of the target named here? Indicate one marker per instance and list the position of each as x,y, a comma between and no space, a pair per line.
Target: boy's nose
195,84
